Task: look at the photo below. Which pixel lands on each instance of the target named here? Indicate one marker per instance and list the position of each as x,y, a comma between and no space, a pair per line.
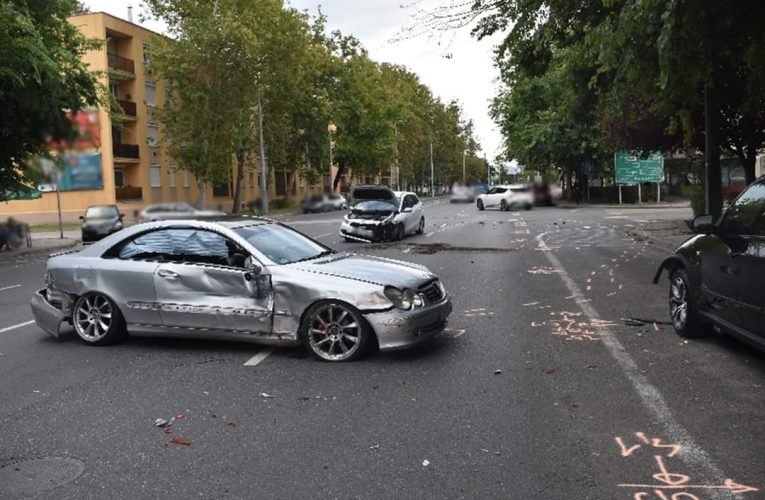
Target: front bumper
397,329
46,315
365,231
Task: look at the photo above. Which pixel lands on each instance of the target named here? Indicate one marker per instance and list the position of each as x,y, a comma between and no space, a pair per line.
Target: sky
467,75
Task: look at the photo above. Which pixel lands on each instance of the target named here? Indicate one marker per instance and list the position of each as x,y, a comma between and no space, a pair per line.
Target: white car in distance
512,196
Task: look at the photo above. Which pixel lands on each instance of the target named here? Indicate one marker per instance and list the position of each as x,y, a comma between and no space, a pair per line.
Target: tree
42,78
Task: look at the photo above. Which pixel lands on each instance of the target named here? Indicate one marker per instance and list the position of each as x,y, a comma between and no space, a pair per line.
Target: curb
33,251
621,207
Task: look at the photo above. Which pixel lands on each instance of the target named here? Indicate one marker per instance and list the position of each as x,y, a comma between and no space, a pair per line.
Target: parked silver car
175,211
251,279
380,214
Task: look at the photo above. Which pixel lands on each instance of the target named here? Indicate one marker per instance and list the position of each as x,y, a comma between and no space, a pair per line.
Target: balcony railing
126,151
121,63
128,107
128,193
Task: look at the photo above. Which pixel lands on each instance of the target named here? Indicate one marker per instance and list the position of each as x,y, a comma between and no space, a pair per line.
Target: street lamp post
331,128
432,192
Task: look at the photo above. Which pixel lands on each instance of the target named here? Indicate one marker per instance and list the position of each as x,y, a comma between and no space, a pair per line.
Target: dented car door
203,296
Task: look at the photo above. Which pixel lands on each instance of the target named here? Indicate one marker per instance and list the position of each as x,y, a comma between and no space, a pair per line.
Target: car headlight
118,225
403,299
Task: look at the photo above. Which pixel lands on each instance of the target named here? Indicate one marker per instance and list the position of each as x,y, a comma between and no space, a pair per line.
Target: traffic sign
632,169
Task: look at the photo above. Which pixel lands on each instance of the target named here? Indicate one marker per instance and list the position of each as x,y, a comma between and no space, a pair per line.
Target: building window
252,179
172,171
151,94
155,175
146,54
114,89
119,177
185,178
152,135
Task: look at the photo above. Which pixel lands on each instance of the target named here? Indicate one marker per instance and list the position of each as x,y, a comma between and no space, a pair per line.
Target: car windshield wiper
320,254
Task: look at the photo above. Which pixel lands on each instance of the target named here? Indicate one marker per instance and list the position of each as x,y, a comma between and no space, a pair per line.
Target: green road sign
632,169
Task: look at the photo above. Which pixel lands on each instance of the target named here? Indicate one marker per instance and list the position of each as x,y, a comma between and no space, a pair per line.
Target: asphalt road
584,406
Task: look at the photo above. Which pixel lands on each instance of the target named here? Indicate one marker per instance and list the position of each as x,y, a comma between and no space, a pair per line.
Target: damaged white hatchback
251,279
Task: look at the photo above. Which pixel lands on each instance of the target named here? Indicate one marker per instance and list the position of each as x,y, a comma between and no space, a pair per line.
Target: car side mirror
82,217
253,269
704,224
122,216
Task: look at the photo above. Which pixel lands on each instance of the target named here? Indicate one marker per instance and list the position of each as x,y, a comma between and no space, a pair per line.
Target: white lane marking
14,327
324,235
8,287
429,235
259,357
650,396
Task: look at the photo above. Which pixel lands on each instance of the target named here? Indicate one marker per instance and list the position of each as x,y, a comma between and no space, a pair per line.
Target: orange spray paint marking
669,478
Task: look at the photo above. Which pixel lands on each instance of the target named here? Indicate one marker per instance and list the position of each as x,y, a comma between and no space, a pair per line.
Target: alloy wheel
678,303
93,317
334,332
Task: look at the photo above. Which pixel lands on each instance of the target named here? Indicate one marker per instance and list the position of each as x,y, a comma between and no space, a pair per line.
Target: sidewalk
645,205
666,234
41,245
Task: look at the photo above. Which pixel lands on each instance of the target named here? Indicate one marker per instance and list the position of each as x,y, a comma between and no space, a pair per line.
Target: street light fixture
331,128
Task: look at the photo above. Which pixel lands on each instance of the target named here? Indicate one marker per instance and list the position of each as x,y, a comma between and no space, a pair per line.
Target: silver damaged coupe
251,279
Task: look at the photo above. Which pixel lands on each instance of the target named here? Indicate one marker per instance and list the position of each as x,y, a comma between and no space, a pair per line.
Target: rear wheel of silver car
683,309
97,320
335,331
421,227
479,204
503,206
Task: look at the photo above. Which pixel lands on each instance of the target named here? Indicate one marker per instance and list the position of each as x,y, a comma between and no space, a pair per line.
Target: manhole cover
30,475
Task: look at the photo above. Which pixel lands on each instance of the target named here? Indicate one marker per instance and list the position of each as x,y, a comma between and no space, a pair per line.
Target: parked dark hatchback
100,221
717,277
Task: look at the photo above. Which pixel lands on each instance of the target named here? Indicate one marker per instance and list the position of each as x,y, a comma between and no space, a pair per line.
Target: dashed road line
258,358
9,287
15,327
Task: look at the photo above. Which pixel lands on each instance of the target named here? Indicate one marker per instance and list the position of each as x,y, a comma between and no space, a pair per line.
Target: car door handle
167,274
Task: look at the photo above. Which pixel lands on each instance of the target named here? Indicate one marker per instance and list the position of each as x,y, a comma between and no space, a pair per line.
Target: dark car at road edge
717,276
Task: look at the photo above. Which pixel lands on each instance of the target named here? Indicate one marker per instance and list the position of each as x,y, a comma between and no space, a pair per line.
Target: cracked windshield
479,249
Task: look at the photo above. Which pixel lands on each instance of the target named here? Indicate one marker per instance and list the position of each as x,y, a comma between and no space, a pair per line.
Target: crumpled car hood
377,270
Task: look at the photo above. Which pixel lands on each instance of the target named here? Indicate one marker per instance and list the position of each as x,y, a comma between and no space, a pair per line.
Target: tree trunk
263,179
340,171
202,197
569,183
240,159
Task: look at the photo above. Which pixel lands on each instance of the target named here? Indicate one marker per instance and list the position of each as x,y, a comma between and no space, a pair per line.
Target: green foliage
42,77
647,63
226,58
698,200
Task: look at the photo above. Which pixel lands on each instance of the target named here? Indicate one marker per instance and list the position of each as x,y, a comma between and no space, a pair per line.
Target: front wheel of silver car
97,320
335,331
421,227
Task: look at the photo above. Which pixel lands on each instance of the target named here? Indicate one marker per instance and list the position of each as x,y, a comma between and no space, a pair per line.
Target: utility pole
263,187
432,192
463,168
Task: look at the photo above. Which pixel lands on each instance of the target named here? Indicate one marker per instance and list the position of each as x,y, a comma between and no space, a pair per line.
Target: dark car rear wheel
479,204
504,206
335,331
683,308
97,320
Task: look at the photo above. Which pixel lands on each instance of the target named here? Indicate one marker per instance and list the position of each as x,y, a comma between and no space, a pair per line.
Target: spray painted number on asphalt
668,485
